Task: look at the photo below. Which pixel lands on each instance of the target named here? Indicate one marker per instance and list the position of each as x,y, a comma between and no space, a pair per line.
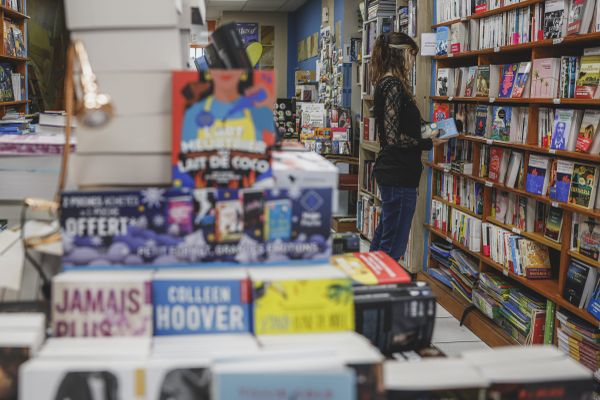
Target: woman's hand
439,142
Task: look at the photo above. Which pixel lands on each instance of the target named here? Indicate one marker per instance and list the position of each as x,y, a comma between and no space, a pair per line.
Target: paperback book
560,180
589,78
507,80
587,131
584,182
537,174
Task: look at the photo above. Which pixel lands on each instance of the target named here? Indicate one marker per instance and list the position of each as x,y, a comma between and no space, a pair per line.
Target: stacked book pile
579,339
380,8
455,269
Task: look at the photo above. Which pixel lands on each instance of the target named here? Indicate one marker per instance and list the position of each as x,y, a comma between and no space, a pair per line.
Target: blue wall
302,23
338,15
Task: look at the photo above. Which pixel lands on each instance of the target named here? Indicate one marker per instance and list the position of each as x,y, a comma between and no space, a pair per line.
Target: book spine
549,326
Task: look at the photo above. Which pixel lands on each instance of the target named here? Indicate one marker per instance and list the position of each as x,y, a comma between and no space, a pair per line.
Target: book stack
380,8
133,149
449,10
579,339
465,229
440,252
492,290
521,256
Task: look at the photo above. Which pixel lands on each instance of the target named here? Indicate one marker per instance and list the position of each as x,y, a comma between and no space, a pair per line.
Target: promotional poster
223,128
179,227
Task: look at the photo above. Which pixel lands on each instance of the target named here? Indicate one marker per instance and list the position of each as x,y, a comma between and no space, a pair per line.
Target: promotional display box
99,303
179,227
301,300
206,301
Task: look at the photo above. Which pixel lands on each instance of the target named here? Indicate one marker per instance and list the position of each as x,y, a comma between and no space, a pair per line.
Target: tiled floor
451,338
448,335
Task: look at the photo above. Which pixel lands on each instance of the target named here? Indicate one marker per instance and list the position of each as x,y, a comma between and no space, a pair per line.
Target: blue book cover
594,306
198,306
339,385
536,174
441,37
278,220
447,128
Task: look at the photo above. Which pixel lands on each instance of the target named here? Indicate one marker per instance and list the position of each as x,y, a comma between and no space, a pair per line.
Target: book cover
553,226
374,268
560,180
19,42
537,174
223,127
284,306
441,111
577,9
447,128
470,81
587,131
589,238
544,77
555,19
536,260
9,40
229,221
594,306
443,76
187,303
561,128
589,78
6,87
496,155
522,80
96,304
575,283
481,120
441,36
502,117
583,185
481,6
278,220
507,80
254,209
483,81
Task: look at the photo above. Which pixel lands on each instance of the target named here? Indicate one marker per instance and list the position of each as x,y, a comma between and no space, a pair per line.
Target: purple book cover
509,72
101,305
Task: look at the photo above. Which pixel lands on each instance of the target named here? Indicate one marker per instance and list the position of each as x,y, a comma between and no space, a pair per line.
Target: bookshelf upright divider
561,253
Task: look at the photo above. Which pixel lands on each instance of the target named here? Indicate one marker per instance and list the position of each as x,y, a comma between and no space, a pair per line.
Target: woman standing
403,136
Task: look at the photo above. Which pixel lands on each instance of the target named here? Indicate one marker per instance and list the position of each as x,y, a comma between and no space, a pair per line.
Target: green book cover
549,326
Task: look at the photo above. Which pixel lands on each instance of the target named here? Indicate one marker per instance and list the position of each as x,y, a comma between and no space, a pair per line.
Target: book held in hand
447,128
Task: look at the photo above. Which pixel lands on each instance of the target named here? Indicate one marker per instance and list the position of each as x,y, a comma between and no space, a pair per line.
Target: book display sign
223,128
174,227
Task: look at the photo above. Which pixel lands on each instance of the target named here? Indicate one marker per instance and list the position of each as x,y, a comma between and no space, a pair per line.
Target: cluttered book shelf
515,195
13,57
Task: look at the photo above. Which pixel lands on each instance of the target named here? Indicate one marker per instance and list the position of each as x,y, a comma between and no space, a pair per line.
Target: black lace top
398,123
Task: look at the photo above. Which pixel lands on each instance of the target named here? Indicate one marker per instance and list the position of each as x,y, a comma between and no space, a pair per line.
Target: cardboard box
111,14
137,93
133,134
134,50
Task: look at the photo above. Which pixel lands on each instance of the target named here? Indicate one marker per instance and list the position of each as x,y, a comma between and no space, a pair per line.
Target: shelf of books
515,213
13,58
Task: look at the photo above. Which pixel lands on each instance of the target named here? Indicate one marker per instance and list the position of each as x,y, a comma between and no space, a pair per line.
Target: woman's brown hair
389,56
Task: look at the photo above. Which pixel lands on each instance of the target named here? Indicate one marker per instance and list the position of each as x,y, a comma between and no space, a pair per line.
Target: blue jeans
397,210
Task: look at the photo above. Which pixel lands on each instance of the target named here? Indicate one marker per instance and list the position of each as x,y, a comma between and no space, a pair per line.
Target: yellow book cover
303,306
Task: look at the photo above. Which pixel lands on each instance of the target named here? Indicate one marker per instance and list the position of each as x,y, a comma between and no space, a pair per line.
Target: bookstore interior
175,174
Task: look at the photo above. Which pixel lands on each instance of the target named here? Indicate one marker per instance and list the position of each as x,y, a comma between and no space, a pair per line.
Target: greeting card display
223,128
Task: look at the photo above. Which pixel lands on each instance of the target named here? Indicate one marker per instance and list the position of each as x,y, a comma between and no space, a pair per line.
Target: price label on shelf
450,98
497,49
554,204
463,19
552,151
492,99
505,271
450,55
557,41
446,169
489,184
556,101
516,230
489,141
448,239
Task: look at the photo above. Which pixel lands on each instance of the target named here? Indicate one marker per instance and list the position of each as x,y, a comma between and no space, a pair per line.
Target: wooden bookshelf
499,100
478,323
18,64
458,207
490,13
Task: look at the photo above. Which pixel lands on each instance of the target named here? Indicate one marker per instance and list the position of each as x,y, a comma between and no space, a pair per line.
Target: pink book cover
100,309
544,78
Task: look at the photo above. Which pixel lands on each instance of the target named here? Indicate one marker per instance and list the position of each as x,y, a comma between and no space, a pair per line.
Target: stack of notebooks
456,269
379,8
579,339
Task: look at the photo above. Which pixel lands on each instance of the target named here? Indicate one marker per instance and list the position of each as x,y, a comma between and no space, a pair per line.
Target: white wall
279,21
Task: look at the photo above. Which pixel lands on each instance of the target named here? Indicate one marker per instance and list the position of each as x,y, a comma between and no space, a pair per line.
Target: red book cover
496,155
537,328
375,268
366,129
223,129
441,111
